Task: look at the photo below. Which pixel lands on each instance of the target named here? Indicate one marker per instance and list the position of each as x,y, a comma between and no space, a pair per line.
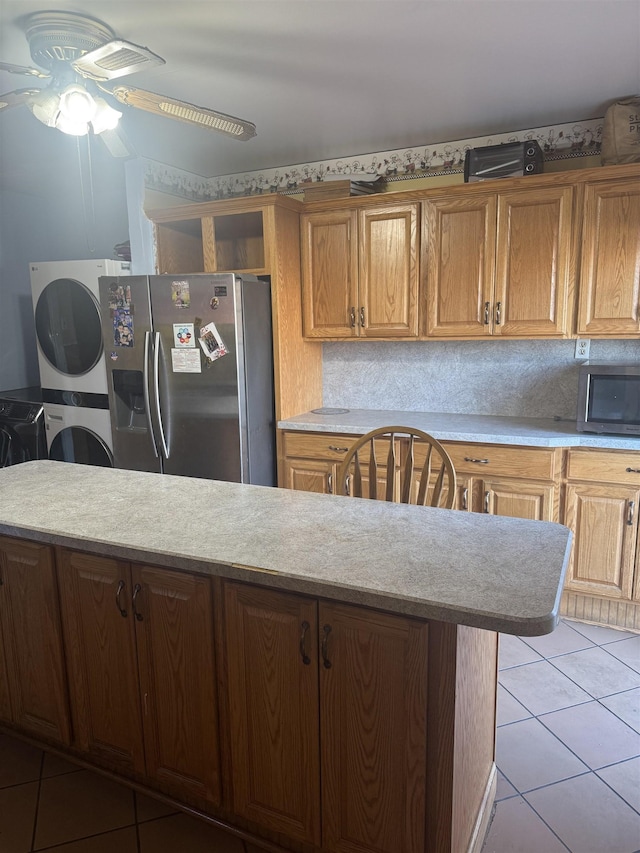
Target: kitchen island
312,671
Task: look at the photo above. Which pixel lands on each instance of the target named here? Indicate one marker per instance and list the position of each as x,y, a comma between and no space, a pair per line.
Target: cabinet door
388,278
533,263
604,520
459,249
175,638
98,623
329,274
520,499
272,679
610,264
32,640
5,703
373,688
310,475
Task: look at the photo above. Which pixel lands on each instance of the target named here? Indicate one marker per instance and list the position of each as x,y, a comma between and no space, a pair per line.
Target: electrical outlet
582,349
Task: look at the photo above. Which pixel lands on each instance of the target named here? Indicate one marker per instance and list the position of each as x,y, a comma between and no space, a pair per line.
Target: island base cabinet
142,672
272,687
373,707
95,596
358,731
33,696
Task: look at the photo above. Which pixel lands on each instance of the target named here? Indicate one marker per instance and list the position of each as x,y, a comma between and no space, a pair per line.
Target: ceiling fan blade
23,69
17,98
117,143
182,111
114,59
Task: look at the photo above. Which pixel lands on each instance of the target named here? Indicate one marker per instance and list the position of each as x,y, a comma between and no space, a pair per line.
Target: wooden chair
399,464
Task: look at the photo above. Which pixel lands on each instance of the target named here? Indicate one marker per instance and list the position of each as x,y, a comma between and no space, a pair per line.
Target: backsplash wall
531,379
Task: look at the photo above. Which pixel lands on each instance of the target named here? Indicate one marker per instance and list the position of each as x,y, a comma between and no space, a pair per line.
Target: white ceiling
323,79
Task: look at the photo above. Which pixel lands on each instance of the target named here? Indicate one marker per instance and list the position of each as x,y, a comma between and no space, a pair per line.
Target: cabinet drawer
608,466
527,463
313,446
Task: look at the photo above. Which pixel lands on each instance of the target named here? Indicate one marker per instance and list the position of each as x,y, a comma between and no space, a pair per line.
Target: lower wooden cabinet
140,648
33,696
271,650
327,704
341,728
519,482
601,507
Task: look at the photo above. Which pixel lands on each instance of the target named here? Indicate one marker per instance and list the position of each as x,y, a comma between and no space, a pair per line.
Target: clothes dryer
68,325
77,433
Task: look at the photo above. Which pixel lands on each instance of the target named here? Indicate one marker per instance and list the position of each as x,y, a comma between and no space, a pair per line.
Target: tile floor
568,744
568,751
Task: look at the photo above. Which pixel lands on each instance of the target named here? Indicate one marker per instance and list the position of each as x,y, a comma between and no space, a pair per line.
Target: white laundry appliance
78,434
71,357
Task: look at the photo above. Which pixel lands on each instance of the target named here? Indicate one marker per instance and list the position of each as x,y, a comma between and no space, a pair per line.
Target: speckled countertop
490,572
491,429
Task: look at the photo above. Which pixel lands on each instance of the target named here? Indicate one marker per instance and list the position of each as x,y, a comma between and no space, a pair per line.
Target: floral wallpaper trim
559,142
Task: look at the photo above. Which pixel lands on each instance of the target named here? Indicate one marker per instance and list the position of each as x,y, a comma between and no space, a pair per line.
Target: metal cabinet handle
632,508
633,470
330,484
352,317
486,501
479,461
487,305
324,649
338,449
498,313
306,660
137,588
122,610
465,495
362,316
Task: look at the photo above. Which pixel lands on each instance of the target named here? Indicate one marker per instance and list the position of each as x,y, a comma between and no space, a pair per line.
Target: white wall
72,219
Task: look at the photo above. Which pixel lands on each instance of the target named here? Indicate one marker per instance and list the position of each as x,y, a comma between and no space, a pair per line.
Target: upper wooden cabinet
499,263
610,262
360,272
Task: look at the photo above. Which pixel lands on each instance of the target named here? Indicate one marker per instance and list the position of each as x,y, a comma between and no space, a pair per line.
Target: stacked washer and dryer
71,358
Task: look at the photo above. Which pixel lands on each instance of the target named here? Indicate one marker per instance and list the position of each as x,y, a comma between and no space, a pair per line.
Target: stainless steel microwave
609,398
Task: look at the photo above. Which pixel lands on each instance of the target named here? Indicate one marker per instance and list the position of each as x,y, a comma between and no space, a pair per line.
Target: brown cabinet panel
603,466
101,658
373,690
458,247
520,499
309,475
388,272
5,702
610,264
272,680
330,274
605,526
533,262
32,640
175,640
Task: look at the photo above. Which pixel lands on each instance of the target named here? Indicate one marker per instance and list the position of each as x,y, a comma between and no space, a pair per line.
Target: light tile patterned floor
568,743
568,751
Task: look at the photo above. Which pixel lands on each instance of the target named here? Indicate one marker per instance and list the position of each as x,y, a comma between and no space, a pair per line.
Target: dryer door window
75,444
68,326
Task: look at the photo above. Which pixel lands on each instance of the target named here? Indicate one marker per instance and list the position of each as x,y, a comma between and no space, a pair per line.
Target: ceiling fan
80,56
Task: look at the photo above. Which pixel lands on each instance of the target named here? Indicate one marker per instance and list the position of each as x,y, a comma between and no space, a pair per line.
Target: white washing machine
68,326
78,434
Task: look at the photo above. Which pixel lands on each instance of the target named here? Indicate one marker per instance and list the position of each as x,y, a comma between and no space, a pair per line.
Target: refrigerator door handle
147,407
156,392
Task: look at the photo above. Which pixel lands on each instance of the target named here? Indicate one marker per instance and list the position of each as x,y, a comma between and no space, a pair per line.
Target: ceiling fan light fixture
45,106
106,118
77,105
72,127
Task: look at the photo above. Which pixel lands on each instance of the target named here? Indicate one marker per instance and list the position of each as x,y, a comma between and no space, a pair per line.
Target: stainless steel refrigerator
190,375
